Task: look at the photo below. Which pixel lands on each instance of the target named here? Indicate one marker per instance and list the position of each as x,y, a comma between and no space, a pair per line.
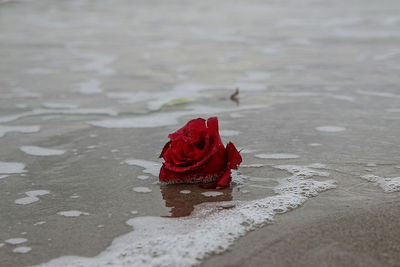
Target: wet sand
90,90
330,230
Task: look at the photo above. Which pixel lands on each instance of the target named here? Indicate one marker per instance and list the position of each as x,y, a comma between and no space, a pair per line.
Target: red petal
225,179
167,145
193,126
234,158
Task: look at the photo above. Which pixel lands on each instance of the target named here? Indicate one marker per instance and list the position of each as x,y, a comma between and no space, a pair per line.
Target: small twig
234,96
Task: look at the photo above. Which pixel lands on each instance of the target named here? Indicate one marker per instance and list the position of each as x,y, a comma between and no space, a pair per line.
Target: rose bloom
196,154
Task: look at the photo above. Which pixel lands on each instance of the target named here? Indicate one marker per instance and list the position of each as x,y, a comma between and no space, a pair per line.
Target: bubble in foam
143,177
19,129
32,196
315,144
22,249
11,167
142,189
41,151
388,185
150,167
72,213
212,193
330,129
16,241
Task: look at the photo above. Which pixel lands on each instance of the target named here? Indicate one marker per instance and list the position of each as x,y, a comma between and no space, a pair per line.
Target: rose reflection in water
182,203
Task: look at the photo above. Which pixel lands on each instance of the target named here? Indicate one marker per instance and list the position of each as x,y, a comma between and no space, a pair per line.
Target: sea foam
387,184
211,228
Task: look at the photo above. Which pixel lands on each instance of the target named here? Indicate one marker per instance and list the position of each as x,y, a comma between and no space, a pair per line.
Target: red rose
196,154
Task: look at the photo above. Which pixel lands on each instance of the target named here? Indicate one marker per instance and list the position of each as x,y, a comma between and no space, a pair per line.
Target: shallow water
89,92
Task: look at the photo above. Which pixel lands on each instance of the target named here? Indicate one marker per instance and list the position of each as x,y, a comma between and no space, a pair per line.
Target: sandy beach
90,91
332,230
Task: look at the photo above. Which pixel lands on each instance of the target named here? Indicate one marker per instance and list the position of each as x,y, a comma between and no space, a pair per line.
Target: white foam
212,193
32,196
387,184
301,171
3,176
315,144
277,156
331,129
247,150
72,213
41,151
39,223
298,184
89,87
37,112
143,177
19,129
22,249
134,212
165,118
150,167
142,189
211,228
228,133
16,240
11,167
254,165
185,192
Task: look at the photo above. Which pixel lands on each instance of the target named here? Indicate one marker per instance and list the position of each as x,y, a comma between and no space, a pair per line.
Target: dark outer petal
212,127
234,158
166,147
225,179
